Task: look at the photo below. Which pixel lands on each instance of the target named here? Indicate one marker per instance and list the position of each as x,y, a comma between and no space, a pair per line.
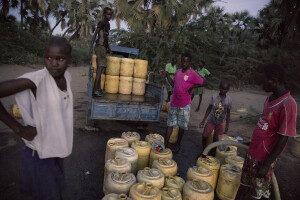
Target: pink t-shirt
279,117
182,82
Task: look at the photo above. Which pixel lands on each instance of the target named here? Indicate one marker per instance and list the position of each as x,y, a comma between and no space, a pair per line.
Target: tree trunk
57,23
74,35
22,13
289,21
5,7
66,31
35,23
118,22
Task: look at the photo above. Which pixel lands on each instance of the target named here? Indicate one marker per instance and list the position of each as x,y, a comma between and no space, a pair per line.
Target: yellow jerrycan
143,149
197,190
167,166
223,152
113,144
235,160
114,196
174,136
131,137
116,165
126,67
200,173
118,182
154,155
154,176
229,182
175,182
130,155
113,66
212,164
170,194
144,191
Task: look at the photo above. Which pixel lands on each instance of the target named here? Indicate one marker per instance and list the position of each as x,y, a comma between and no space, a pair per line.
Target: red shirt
182,82
279,117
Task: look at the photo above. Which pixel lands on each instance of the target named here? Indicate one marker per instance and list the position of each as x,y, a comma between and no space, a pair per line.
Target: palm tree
59,9
38,8
6,5
83,17
280,20
149,14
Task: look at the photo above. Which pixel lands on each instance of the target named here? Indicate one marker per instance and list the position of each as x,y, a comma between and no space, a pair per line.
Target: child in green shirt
200,91
171,69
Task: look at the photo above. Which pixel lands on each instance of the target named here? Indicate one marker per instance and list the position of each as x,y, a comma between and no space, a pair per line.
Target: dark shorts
101,55
260,187
168,86
42,179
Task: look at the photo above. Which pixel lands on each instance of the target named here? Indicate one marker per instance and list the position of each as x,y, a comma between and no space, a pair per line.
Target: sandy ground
84,168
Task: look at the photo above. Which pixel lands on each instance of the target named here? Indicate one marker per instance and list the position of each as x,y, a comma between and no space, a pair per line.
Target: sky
230,6
252,6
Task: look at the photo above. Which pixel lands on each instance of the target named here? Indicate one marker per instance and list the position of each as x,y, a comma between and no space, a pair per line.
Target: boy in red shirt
276,124
185,80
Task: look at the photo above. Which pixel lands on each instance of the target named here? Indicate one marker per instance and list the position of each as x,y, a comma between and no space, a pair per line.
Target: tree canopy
233,45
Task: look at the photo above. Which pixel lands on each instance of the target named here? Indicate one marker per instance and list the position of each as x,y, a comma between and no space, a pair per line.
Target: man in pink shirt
185,80
276,124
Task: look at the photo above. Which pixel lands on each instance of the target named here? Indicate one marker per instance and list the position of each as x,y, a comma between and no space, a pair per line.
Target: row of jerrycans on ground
160,181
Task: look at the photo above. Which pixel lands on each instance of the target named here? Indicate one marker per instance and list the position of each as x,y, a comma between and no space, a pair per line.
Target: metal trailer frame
124,107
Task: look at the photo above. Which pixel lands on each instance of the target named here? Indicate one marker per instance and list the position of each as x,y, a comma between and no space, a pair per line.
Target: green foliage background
22,47
229,52
234,46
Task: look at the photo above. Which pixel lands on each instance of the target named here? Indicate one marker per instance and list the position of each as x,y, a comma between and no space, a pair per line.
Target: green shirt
202,72
171,69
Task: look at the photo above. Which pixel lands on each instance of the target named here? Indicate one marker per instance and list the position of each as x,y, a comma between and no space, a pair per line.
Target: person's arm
93,40
8,88
227,120
106,41
207,72
100,27
264,168
193,87
198,85
205,83
208,110
170,80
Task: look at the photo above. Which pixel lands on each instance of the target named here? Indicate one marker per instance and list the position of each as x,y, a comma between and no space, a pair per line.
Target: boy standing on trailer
276,124
45,101
202,71
185,80
101,48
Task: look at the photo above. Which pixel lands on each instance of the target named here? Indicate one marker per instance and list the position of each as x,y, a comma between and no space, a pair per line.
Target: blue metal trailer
124,107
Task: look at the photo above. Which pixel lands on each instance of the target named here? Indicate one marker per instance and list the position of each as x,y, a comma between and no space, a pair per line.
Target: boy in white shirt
45,101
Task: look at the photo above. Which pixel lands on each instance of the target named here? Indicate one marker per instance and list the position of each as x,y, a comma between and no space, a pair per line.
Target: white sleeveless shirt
51,112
